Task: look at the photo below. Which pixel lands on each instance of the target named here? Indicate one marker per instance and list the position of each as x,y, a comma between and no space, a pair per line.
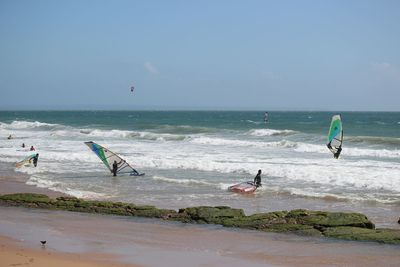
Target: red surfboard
245,187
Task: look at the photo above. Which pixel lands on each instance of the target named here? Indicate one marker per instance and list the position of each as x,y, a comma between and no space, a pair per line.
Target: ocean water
192,157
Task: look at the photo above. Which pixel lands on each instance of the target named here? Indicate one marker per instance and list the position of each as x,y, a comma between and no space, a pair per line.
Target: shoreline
181,244
149,242
16,252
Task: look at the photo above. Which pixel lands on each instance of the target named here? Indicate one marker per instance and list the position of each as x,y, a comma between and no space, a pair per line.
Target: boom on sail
108,157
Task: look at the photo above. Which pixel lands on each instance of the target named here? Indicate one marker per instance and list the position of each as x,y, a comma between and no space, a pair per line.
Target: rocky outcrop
349,226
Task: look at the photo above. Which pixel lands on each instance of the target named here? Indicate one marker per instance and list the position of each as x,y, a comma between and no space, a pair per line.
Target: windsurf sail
335,135
28,161
108,157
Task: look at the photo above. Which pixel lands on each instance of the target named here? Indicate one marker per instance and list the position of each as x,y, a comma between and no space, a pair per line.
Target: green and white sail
335,135
108,157
26,162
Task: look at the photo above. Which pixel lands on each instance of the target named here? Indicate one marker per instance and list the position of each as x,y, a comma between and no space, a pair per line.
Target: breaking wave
271,132
181,181
377,140
27,125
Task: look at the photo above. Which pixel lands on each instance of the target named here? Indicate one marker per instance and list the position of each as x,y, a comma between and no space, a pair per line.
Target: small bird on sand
43,242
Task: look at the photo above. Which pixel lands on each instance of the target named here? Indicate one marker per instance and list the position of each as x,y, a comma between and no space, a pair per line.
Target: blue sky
263,55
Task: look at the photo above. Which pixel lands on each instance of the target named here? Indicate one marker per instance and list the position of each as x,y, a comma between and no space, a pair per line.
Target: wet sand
100,240
12,253
149,242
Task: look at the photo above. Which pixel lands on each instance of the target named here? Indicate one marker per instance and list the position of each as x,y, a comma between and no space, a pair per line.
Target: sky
208,54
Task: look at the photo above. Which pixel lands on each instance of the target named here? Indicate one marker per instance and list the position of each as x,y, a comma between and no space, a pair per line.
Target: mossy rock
256,221
330,219
217,215
387,236
350,226
26,197
293,228
66,198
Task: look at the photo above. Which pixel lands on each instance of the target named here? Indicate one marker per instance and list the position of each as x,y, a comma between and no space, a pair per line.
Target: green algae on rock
342,225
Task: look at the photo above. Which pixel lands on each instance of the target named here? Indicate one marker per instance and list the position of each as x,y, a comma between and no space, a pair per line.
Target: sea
190,158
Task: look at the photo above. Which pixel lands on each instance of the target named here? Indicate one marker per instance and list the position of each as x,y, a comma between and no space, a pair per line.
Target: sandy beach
13,253
75,239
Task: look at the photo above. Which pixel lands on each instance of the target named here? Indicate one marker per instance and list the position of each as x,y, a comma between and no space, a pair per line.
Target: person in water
32,148
337,154
338,150
23,145
35,159
9,137
115,168
257,179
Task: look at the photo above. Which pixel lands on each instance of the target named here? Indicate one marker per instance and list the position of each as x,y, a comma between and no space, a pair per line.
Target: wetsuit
35,160
115,168
336,155
257,180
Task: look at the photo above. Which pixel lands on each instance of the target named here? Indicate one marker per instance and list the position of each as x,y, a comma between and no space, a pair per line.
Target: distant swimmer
266,117
35,159
32,148
115,168
23,145
257,179
9,137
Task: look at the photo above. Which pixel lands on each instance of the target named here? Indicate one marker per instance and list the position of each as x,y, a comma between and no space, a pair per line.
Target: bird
43,242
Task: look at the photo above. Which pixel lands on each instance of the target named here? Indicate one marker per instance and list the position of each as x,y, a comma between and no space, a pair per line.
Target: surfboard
245,187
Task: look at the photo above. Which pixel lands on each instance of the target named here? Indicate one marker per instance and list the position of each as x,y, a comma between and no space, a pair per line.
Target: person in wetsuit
115,168
257,179
339,150
35,159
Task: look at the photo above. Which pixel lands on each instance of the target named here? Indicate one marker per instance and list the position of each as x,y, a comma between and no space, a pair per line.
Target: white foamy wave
393,141
255,122
62,188
270,132
224,186
221,141
42,183
133,134
348,151
234,142
83,193
27,125
315,193
181,181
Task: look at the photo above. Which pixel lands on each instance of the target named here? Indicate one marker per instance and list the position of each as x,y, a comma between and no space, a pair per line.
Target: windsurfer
339,150
35,159
257,179
336,151
115,168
